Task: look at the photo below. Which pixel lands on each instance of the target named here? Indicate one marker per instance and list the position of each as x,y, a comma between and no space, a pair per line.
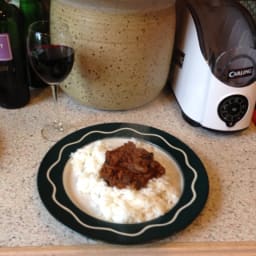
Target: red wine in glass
52,63
51,56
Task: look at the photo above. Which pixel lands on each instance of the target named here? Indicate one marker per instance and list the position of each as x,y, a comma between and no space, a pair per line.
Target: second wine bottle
32,11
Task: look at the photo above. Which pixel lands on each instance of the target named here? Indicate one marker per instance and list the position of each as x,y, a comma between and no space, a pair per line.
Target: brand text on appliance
238,73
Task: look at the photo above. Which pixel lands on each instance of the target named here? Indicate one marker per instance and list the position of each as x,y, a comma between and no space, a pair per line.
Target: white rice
93,195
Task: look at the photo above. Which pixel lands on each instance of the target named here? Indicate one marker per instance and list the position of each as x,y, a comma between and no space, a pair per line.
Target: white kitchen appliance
214,70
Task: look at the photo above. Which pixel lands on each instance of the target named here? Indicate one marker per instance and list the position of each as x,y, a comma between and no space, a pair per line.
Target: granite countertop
229,214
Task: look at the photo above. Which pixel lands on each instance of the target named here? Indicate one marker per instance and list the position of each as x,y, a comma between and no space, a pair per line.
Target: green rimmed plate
56,199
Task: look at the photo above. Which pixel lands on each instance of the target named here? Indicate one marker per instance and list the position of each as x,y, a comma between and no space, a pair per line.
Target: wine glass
52,59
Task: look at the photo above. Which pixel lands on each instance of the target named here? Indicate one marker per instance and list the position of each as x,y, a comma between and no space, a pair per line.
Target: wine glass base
54,132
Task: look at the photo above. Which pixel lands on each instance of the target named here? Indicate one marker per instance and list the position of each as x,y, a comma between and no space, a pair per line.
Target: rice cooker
214,64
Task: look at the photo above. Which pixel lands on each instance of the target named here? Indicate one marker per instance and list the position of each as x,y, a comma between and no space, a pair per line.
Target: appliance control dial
232,109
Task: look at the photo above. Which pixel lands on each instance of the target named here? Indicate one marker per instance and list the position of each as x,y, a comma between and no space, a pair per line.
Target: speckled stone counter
229,214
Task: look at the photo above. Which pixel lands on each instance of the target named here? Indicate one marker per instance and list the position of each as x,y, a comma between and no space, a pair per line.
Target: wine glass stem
57,122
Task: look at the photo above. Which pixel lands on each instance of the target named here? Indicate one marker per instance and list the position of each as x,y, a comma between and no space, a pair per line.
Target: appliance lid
227,38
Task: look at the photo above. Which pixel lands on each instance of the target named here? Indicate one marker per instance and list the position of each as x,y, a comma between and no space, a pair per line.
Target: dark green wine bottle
14,90
32,11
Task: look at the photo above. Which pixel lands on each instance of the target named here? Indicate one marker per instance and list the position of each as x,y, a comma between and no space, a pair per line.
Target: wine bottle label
5,48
